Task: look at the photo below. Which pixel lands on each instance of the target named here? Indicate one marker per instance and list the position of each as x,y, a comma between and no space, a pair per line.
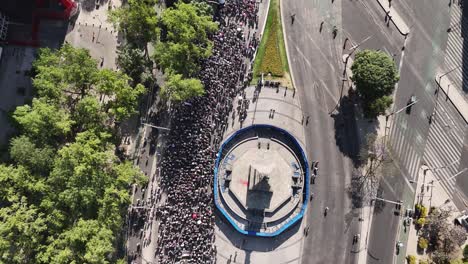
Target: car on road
462,221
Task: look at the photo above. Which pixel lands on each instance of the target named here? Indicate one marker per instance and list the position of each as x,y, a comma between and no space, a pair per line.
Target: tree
178,89
375,75
87,242
186,41
22,232
123,98
43,121
89,114
444,237
85,171
76,79
80,174
17,182
411,259
378,106
138,19
26,153
67,73
133,63
422,243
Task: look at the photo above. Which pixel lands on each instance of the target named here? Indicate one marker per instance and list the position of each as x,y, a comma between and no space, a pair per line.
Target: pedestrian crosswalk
444,144
403,143
457,50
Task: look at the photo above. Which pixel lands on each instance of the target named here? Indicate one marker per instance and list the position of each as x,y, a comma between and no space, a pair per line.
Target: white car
462,221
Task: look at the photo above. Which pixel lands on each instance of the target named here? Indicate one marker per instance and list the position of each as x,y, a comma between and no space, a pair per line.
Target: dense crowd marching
186,216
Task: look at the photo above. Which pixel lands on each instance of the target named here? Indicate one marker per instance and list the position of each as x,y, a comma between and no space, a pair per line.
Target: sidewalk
430,195
454,95
394,17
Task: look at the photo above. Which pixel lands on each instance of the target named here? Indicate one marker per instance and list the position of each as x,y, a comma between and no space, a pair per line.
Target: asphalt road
317,67
360,20
316,62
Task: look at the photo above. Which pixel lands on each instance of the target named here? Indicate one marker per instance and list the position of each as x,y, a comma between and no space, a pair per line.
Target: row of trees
442,238
180,37
63,190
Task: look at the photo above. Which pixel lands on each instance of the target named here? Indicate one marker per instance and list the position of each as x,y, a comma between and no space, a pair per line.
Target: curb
389,12
457,101
291,72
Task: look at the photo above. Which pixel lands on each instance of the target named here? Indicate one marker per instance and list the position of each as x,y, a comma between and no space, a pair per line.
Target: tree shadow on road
346,128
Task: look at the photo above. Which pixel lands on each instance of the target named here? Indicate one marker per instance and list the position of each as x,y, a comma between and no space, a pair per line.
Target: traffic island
271,58
261,181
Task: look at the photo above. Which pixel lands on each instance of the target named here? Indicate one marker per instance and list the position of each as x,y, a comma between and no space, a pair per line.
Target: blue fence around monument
306,184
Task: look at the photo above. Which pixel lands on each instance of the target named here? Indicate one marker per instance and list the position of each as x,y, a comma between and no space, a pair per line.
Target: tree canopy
63,190
185,42
375,75
138,20
67,76
444,238
178,89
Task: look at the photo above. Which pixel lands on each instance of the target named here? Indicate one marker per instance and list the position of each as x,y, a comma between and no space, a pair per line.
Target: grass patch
271,55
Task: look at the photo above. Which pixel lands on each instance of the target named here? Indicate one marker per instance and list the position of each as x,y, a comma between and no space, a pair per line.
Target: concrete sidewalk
453,94
429,193
394,16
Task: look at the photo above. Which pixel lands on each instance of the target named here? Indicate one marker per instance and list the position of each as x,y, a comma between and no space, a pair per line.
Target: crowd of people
186,216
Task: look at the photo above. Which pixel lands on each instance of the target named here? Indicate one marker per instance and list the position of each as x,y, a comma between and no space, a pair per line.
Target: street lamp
440,77
394,113
353,49
344,78
441,180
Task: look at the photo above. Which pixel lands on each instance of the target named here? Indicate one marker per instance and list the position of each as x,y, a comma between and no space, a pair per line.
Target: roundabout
261,180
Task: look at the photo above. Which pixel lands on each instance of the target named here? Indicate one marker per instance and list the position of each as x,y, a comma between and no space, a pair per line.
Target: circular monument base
261,181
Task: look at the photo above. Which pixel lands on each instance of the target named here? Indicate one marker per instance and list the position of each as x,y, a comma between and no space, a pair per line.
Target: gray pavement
316,65
285,248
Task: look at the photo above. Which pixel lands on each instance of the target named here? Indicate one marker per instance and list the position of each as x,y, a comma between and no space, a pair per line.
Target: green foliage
67,73
411,259
76,81
421,221
186,42
22,230
422,261
116,85
379,105
138,20
271,62
271,54
64,192
423,212
203,8
18,182
86,242
375,75
25,153
422,242
456,261
132,62
178,89
43,121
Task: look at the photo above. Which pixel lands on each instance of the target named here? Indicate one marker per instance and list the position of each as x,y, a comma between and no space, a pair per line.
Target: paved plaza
261,180
231,245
